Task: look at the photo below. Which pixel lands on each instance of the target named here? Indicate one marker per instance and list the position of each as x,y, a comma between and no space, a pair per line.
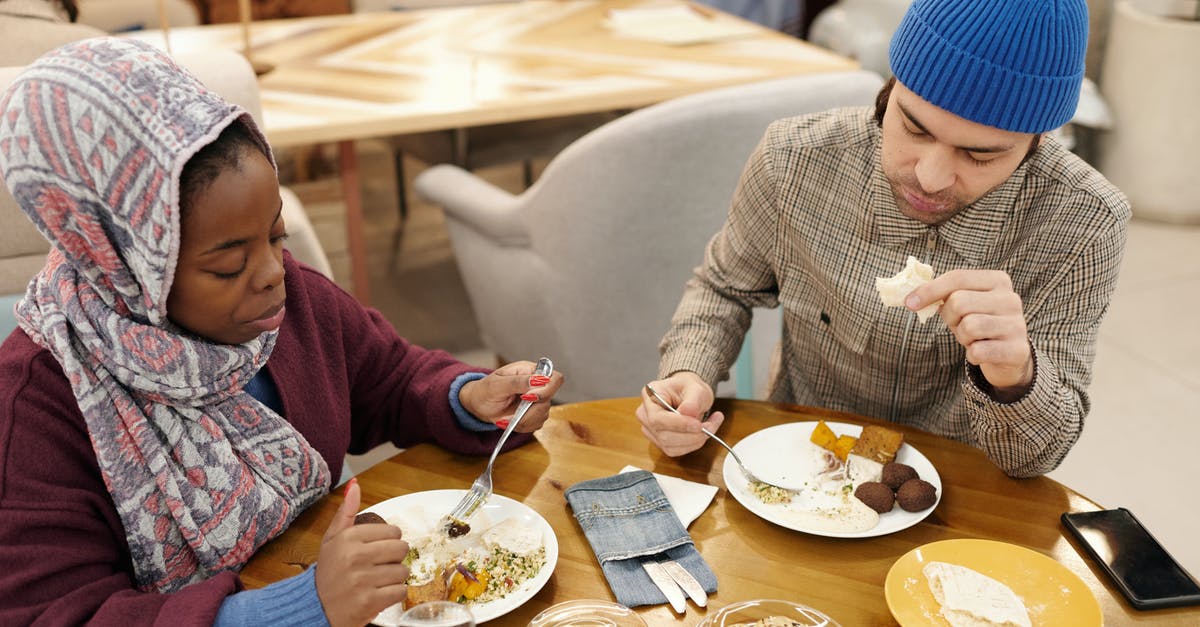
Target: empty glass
587,613
437,614
788,612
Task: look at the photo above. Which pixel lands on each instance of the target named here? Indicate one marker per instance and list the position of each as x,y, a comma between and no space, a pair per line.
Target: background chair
489,145
483,146
588,264
125,15
23,249
860,29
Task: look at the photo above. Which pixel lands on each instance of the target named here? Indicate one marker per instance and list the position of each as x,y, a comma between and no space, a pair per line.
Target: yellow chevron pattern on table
342,78
375,74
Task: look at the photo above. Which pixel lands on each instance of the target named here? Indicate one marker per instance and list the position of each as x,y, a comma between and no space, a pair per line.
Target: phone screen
1143,570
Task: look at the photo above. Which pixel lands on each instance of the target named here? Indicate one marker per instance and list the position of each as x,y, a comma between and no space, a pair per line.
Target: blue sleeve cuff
464,417
293,601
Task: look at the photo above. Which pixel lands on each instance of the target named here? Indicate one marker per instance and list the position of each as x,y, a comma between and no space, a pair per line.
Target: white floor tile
1138,449
1139,445
1160,324
1158,253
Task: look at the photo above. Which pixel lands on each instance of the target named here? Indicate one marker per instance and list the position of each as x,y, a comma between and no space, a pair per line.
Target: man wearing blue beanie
950,167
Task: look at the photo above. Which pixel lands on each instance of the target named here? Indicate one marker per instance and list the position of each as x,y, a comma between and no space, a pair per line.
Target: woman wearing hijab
179,388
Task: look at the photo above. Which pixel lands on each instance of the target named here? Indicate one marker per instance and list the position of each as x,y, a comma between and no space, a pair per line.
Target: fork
751,477
481,488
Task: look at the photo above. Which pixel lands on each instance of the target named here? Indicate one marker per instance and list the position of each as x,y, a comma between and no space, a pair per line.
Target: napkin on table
676,25
688,498
627,520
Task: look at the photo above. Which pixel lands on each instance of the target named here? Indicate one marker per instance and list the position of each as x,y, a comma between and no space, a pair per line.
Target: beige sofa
123,15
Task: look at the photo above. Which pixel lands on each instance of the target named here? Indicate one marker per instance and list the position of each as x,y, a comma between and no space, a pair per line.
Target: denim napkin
688,498
628,520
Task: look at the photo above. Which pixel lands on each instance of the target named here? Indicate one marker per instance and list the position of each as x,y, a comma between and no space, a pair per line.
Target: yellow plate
1052,593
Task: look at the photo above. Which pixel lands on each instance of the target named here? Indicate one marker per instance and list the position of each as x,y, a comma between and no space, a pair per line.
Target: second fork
751,477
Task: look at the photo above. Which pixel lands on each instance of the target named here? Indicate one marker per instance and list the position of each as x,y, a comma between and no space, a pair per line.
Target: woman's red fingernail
531,397
352,481
538,380
502,423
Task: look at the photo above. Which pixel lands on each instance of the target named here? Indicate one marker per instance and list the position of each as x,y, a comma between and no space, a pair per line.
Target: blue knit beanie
1011,64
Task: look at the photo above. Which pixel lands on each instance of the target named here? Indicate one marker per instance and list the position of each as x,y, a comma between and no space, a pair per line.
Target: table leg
355,240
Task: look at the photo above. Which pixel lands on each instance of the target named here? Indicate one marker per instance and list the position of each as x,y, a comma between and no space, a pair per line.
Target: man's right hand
673,433
359,569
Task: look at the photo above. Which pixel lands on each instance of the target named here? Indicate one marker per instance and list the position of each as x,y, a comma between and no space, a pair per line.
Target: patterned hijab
93,137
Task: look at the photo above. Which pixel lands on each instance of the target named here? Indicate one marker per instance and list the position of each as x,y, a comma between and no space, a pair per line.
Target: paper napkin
688,498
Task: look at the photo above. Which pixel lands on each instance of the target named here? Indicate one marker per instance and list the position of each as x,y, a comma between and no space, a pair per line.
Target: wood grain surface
345,77
751,557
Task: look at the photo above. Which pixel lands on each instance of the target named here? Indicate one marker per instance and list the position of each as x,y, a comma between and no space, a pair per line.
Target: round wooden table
752,558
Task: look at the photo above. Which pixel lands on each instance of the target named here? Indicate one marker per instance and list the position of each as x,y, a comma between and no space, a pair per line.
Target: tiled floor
1139,448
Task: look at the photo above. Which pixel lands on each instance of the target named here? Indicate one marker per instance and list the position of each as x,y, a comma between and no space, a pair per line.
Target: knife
686,581
667,585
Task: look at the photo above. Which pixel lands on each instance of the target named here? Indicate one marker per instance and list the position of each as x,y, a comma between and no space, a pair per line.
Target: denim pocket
627,518
626,515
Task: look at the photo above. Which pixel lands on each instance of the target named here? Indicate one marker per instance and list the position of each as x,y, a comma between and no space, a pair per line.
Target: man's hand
674,434
986,316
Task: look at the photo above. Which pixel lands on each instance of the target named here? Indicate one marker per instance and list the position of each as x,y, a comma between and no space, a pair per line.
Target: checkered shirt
813,222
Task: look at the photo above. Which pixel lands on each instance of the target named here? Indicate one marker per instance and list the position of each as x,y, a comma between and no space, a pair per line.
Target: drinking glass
437,614
587,613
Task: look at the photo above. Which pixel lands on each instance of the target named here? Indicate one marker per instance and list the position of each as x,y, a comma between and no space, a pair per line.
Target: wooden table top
751,557
345,77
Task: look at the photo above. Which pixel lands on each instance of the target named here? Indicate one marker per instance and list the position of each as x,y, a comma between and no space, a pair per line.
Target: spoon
750,476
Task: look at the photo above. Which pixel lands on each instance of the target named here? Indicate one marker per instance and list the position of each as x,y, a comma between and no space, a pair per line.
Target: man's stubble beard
954,204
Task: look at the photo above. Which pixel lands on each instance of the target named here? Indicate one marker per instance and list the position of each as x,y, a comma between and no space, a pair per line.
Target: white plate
772,454
424,509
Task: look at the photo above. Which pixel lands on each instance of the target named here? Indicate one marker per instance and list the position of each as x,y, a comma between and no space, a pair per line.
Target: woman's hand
359,569
672,433
495,397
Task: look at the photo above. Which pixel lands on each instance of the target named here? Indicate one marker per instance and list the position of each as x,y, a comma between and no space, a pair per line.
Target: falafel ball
875,495
895,474
369,518
915,495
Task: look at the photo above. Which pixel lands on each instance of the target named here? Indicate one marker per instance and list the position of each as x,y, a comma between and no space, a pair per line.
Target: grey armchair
588,264
487,146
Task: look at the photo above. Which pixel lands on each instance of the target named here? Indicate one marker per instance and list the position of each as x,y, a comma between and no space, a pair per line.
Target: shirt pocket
813,311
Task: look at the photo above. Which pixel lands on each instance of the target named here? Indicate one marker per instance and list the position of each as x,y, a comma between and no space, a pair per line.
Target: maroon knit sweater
347,382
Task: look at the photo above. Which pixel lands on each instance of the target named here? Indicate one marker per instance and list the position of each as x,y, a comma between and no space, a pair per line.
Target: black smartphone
1140,567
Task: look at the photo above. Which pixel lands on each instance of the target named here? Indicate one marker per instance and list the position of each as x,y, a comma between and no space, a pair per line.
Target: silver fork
455,522
751,477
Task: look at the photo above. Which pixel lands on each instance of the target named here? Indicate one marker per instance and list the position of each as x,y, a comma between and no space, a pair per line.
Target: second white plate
772,453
